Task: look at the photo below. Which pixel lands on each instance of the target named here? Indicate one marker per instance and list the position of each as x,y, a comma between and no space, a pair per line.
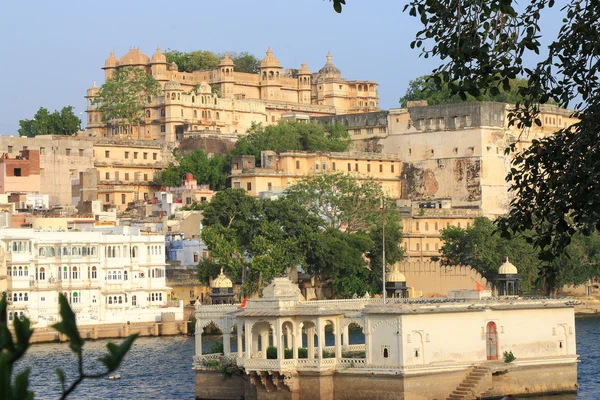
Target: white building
110,275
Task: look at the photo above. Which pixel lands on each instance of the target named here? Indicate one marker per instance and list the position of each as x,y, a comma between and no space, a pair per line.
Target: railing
354,347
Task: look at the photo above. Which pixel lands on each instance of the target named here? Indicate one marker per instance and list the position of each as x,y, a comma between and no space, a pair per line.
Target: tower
304,84
507,281
158,65
270,83
95,125
226,68
110,65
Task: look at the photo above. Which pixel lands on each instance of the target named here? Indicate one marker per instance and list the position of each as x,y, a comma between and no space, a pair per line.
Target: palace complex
228,102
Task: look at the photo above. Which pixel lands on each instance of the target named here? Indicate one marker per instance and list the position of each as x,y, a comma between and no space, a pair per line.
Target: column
278,334
310,339
297,334
320,337
367,332
338,340
226,342
198,337
249,343
240,332
346,337
264,342
288,338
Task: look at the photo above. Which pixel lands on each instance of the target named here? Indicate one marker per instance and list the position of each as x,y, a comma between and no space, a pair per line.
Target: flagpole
383,244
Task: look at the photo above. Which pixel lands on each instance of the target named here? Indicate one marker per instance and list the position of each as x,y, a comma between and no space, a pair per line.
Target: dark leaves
116,353
67,325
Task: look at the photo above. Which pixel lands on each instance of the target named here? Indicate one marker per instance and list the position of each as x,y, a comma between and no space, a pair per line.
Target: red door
491,341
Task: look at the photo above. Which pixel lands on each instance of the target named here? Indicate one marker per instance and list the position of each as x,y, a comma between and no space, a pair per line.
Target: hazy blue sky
53,51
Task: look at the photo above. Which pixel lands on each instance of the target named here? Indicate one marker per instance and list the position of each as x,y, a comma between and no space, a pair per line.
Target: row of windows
115,251
135,155
370,131
126,178
418,247
16,314
20,246
155,297
83,251
158,273
18,297
119,300
436,226
116,276
17,271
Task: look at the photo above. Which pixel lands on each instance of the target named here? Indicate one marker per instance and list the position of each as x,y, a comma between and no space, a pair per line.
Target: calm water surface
161,368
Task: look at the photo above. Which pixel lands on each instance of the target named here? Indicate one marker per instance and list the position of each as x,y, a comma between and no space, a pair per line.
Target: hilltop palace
413,348
189,101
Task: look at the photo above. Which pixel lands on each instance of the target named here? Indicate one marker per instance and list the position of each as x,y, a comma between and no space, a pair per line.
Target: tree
291,135
212,171
425,88
14,347
245,62
64,122
196,60
123,97
482,46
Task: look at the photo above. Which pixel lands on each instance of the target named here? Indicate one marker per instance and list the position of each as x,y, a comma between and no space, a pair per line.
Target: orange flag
480,287
243,302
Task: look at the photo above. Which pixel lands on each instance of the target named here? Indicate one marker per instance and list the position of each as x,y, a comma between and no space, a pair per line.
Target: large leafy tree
63,122
482,46
426,88
123,97
199,60
291,135
212,171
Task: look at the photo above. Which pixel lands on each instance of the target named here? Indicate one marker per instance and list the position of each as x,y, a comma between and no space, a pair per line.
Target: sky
53,51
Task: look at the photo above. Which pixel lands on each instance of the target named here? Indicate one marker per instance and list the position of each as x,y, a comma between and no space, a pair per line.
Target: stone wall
362,120
435,280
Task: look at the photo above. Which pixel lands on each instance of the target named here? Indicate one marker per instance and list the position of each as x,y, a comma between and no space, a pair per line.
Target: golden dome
158,57
303,70
269,61
226,61
221,281
111,61
507,268
93,91
395,276
134,57
329,69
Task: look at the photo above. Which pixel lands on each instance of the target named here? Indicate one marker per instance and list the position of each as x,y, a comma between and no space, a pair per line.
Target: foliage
63,122
302,352
192,326
212,171
426,88
271,353
11,352
292,135
216,348
482,46
288,354
482,248
509,357
328,354
123,97
199,60
227,366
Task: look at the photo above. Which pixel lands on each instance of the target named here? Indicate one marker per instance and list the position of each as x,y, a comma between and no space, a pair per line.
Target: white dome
507,268
395,276
172,85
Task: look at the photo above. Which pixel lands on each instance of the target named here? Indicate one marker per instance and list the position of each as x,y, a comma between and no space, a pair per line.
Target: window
417,225
80,152
10,149
162,112
237,185
349,167
248,186
126,154
134,300
368,167
154,156
74,273
426,226
123,198
135,154
94,273
107,198
163,129
145,177
145,156
42,151
436,226
380,167
107,175
17,171
333,166
125,276
297,164
106,154
392,168
42,274
196,257
126,176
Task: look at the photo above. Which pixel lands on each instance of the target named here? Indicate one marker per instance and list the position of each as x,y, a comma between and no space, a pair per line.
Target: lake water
161,368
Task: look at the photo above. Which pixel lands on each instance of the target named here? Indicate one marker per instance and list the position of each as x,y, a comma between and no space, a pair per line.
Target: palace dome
93,91
111,61
507,268
329,69
158,57
172,85
395,276
134,57
269,61
226,61
221,281
303,70
173,67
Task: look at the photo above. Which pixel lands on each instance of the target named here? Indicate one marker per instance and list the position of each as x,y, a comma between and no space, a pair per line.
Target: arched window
125,276
208,115
119,275
162,112
215,100
74,273
114,254
271,75
195,114
120,299
134,251
418,247
196,257
10,316
458,225
21,316
109,300
217,115
42,274
9,271
119,251
264,76
203,114
172,96
178,96
193,99
94,273
202,98
42,252
147,113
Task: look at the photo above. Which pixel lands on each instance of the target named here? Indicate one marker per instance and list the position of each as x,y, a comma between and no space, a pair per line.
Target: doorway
491,341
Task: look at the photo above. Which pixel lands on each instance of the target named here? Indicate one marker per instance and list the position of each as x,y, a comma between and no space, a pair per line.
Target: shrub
288,353
328,354
302,352
216,347
509,357
271,353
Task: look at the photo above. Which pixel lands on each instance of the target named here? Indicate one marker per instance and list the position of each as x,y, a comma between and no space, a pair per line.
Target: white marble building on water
109,275
403,337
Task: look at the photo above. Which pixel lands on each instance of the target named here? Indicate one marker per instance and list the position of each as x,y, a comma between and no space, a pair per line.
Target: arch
217,115
195,113
172,96
271,75
264,76
42,274
162,112
193,99
134,251
147,113
491,341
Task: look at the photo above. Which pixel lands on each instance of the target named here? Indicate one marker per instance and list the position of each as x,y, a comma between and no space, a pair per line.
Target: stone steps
466,389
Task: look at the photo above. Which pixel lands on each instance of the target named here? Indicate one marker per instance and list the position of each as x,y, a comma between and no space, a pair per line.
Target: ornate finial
221,271
303,65
94,83
158,49
506,258
329,57
112,53
269,52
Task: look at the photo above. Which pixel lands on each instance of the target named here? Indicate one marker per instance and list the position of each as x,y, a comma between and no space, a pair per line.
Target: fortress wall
435,279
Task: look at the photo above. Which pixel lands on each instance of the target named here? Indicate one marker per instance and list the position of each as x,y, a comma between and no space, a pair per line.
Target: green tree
212,171
291,135
197,60
63,122
123,97
426,88
245,62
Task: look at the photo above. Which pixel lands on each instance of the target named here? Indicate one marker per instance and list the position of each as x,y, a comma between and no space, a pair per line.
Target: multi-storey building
20,174
279,171
106,276
228,101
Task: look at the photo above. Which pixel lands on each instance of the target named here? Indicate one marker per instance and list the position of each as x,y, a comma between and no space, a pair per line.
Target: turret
304,84
269,77
158,65
226,67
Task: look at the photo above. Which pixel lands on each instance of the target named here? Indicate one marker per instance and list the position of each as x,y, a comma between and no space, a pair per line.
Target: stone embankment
588,306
